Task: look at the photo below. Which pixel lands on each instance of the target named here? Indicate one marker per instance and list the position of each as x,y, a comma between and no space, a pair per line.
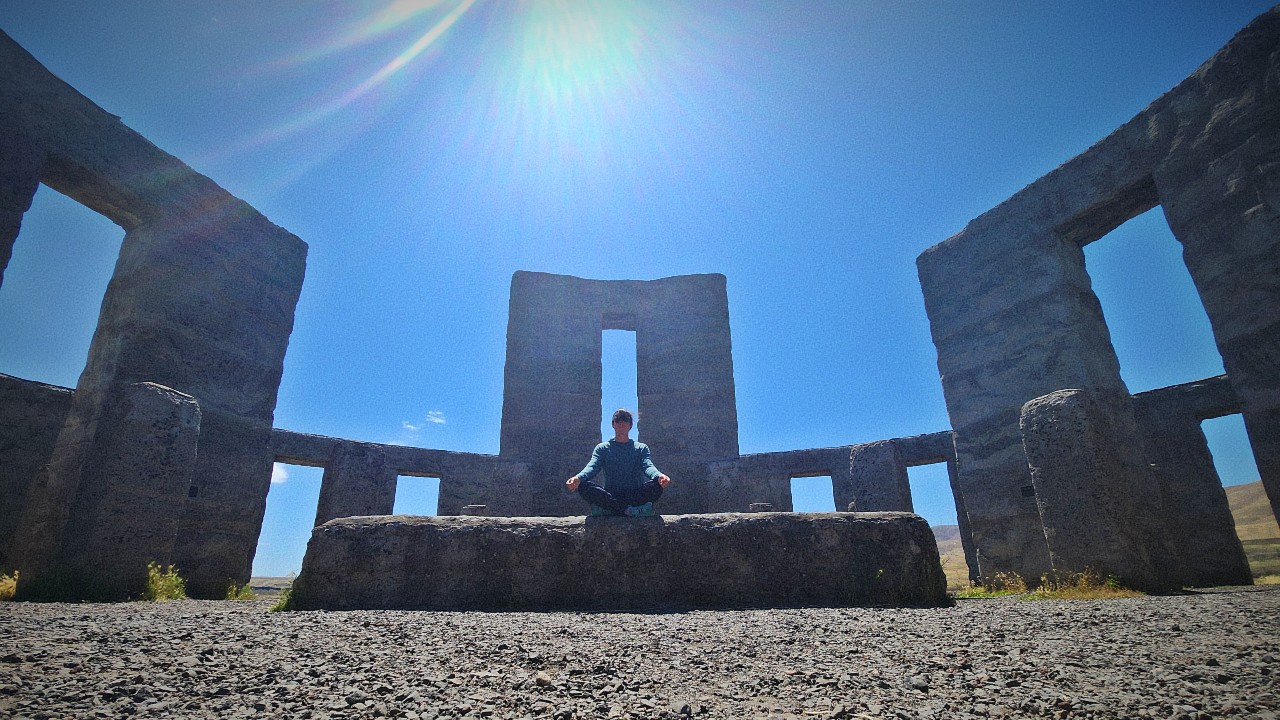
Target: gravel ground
1207,654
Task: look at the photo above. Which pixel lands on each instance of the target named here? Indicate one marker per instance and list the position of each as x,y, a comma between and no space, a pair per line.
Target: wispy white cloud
434,417
278,474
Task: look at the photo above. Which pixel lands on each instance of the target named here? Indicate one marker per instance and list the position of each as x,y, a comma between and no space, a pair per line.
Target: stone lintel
726,560
1205,399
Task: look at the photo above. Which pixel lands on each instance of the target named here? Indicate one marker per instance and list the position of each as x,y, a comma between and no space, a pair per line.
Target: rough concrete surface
31,414
1196,519
1194,656
1087,490
125,512
603,563
551,399
1013,314
201,300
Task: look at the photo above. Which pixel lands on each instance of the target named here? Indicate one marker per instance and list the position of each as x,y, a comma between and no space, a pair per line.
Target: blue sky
427,150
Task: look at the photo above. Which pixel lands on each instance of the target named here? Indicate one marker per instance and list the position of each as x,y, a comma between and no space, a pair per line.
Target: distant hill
949,547
1252,511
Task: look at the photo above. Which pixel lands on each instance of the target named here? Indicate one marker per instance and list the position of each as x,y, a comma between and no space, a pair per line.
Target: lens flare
379,29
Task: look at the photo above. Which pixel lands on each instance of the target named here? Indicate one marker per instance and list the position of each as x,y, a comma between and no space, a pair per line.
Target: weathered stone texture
1010,305
866,478
551,406
124,512
31,414
19,177
712,561
734,484
357,481
1089,489
877,479
465,478
201,301
1196,520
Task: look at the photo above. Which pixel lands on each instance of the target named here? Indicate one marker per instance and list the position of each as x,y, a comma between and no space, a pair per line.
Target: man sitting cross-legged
626,464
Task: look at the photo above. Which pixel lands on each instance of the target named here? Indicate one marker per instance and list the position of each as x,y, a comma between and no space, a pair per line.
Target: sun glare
577,75
540,98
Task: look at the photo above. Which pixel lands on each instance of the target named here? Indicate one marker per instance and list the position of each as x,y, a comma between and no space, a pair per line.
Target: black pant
617,502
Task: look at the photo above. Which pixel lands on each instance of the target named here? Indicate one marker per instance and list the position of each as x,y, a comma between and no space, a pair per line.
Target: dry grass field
953,564
1257,528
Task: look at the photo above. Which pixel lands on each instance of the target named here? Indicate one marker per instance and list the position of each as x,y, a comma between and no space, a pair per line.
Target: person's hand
664,481
572,483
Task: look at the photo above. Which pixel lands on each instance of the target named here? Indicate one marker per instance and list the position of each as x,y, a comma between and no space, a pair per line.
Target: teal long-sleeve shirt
625,465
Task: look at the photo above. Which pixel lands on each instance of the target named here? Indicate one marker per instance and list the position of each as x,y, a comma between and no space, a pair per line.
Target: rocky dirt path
1208,654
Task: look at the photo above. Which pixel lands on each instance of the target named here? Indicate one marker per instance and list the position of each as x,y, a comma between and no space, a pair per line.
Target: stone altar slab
722,560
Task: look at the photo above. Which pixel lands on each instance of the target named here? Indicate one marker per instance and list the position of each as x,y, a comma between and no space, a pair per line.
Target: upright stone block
357,481
684,370
1012,312
1223,204
31,414
1196,520
125,512
877,479
1087,486
21,163
551,409
201,301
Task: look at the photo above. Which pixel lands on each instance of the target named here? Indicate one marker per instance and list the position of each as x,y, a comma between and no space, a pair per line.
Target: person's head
621,418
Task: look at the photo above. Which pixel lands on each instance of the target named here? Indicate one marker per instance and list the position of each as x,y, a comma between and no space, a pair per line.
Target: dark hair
622,414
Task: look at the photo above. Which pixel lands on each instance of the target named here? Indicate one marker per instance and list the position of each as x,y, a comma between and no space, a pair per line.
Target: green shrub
164,584
285,603
240,592
8,585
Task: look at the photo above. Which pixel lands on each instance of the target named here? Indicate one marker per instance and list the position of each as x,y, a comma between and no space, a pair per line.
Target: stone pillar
125,512
1013,317
551,408
1197,523
1011,309
1223,205
203,304
357,481
1086,466
684,366
877,480
21,161
201,301
551,387
31,414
